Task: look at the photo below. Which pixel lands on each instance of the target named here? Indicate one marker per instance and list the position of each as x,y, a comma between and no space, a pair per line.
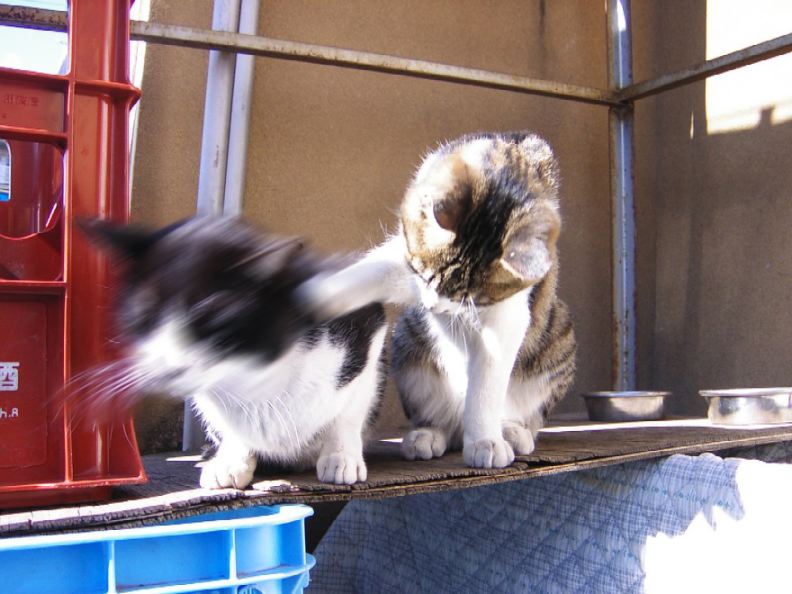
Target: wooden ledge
171,491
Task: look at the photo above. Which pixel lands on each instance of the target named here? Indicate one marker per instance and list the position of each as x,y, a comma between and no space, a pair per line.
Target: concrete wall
332,150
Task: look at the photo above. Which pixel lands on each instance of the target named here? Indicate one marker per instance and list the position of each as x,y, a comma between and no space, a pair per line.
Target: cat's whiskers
221,395
289,415
455,320
228,398
279,417
462,320
473,314
95,388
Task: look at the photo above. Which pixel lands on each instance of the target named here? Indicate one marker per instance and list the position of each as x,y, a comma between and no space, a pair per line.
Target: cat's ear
272,256
453,195
450,210
526,259
527,252
543,174
127,241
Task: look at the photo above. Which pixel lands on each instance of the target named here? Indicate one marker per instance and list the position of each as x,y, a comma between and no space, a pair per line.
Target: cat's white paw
423,444
519,438
321,297
341,468
488,453
222,472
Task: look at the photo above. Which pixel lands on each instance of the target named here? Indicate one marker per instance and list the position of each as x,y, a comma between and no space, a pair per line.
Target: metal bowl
749,406
625,406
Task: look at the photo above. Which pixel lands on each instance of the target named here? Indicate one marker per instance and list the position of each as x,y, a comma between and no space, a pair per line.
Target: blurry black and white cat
485,347
208,314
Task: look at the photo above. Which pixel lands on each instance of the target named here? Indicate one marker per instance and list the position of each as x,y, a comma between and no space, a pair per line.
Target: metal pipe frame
217,114
619,98
744,57
620,124
241,101
53,20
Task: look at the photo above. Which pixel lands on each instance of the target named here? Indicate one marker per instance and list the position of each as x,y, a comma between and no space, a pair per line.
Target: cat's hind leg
424,443
525,408
432,403
518,437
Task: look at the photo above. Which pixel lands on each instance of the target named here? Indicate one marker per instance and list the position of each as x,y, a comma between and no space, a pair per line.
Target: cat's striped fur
485,348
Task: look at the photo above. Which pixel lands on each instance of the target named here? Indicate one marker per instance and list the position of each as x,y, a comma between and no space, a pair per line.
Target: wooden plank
171,491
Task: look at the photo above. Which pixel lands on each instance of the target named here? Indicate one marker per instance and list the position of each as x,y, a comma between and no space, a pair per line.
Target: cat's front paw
223,472
520,438
488,453
341,468
423,444
321,298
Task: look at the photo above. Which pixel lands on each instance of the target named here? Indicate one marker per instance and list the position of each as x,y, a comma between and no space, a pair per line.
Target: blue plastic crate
256,550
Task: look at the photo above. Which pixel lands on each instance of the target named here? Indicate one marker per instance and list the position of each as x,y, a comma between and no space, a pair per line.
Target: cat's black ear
127,241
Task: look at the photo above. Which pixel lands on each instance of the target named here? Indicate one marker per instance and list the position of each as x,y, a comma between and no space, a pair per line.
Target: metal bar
214,157
319,54
620,120
217,114
53,20
240,114
744,57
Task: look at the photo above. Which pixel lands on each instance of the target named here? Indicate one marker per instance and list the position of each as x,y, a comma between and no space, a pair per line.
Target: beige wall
721,209
332,149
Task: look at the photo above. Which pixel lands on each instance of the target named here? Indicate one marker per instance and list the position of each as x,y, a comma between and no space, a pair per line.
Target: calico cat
485,348
207,310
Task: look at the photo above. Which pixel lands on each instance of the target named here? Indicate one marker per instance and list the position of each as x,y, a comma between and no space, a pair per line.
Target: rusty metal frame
621,149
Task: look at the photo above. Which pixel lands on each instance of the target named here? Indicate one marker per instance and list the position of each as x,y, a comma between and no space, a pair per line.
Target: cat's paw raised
488,453
519,438
341,468
221,472
423,444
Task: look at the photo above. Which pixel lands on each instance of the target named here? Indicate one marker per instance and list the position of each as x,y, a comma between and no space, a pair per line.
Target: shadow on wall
682,524
724,268
720,207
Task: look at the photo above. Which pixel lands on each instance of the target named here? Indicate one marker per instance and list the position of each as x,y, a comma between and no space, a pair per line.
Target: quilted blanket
680,524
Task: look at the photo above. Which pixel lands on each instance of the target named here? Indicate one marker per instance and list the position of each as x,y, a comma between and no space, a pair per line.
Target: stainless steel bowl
625,406
749,406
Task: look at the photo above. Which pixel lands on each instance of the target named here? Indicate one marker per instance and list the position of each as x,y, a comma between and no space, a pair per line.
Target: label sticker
9,376
11,413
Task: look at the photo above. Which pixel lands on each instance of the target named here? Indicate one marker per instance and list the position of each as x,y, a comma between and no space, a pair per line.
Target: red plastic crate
68,139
